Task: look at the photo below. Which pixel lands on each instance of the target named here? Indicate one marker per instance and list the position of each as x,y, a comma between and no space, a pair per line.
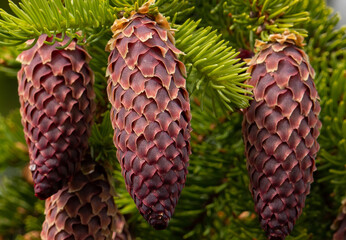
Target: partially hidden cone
56,96
340,223
83,209
121,229
280,131
150,115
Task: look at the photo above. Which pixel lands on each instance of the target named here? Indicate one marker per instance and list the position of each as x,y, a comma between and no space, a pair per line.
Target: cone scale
84,209
150,115
56,98
280,131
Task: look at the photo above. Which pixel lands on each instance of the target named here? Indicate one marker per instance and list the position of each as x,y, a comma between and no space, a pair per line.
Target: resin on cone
56,97
280,129
83,209
150,115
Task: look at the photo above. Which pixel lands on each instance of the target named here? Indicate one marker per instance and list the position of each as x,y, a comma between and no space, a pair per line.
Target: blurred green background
8,83
8,93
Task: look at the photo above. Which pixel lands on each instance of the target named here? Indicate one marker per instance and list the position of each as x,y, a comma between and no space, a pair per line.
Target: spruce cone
56,97
84,209
340,224
280,129
150,116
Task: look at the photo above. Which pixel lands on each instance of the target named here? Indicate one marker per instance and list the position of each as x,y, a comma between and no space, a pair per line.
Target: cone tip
159,221
277,235
44,191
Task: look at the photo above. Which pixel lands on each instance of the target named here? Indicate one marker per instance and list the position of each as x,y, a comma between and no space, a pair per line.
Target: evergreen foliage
20,210
215,64
216,202
326,48
8,63
33,18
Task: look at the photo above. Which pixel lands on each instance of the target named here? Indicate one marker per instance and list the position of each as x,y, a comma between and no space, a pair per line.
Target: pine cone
150,115
84,209
280,129
56,97
340,224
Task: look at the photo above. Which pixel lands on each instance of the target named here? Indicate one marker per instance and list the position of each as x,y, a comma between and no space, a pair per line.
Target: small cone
150,115
280,130
84,209
56,97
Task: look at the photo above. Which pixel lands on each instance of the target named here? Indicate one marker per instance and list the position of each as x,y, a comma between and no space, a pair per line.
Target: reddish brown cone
83,209
280,129
55,93
150,115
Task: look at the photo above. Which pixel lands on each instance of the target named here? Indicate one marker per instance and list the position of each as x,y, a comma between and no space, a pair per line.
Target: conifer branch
175,9
17,204
12,143
265,17
220,75
326,48
85,20
17,201
8,63
212,13
333,138
101,141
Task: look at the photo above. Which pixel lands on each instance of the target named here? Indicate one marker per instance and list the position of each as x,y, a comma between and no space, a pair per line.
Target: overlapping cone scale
56,97
280,130
84,209
151,117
